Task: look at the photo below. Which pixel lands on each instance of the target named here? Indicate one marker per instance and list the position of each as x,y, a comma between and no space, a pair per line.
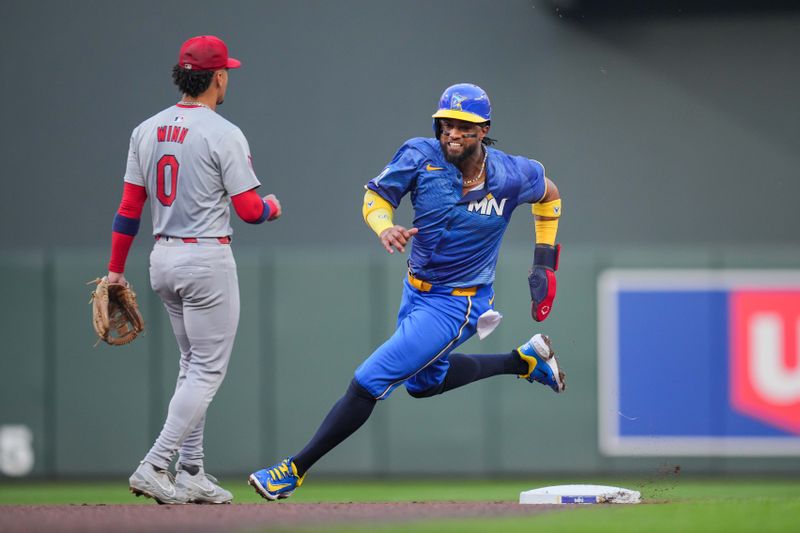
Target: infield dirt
208,518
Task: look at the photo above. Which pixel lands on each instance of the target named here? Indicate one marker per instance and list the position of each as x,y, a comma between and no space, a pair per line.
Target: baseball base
579,494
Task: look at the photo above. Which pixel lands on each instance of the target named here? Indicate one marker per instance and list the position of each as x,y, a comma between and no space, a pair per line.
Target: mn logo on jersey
487,205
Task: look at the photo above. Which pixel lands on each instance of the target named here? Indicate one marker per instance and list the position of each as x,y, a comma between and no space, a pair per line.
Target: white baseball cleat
148,481
201,487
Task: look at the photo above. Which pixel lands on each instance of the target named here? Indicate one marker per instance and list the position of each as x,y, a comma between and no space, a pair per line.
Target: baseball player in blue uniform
463,192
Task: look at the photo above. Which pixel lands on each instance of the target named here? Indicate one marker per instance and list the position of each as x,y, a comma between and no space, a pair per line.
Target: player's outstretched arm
254,209
542,277
378,215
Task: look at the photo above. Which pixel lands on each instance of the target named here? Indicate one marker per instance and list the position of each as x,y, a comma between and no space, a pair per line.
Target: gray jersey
191,161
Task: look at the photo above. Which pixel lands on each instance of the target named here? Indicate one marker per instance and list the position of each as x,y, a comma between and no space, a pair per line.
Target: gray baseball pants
198,285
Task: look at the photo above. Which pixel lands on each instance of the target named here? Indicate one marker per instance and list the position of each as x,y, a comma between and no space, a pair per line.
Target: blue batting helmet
465,101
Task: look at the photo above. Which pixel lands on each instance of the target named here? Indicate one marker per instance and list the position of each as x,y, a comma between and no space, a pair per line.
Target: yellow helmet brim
459,115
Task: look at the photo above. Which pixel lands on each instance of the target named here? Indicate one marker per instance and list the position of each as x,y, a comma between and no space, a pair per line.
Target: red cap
206,52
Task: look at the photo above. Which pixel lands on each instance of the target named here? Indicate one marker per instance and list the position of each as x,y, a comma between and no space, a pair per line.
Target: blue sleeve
399,176
532,186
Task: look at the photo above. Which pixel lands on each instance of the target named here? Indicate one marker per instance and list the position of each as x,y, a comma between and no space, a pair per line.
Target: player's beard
467,152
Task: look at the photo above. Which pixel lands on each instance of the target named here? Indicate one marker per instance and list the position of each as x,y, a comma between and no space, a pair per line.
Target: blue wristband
264,214
125,225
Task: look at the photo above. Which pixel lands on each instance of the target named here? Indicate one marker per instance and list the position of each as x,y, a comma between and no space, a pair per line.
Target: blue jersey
459,236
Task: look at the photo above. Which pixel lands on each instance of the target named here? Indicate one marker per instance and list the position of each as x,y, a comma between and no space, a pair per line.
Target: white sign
16,450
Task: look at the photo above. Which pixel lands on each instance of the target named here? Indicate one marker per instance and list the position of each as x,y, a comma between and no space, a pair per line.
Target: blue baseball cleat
278,481
542,363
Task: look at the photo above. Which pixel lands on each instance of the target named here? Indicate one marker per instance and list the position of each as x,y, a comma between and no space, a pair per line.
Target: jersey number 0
167,161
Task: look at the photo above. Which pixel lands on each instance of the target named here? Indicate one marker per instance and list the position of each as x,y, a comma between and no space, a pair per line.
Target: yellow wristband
377,212
551,209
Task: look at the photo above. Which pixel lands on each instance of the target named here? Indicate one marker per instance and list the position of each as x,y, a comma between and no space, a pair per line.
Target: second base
579,494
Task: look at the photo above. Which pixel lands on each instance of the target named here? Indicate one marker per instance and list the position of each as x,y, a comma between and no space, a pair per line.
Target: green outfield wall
309,316
658,121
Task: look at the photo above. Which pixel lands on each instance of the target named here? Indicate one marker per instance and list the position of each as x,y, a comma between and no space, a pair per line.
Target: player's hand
542,280
396,238
274,206
117,277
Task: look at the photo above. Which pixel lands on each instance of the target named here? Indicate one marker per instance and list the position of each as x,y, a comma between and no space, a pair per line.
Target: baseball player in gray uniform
192,164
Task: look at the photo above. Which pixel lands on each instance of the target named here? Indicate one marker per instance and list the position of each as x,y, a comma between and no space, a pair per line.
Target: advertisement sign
699,362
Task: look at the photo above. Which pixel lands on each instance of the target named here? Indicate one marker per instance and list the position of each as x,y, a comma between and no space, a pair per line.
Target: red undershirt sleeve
250,207
126,225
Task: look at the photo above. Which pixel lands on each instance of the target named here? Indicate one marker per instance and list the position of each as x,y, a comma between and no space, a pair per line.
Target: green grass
677,504
706,516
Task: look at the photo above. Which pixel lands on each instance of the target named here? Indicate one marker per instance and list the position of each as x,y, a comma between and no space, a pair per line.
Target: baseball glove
115,313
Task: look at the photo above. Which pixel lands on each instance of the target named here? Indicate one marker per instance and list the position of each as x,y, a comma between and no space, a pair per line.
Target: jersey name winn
459,236
191,161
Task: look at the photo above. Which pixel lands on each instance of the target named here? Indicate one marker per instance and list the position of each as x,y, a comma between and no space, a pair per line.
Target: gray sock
192,469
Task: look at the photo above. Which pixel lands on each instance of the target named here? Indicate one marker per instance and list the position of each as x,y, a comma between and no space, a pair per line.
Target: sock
192,469
468,368
156,468
344,418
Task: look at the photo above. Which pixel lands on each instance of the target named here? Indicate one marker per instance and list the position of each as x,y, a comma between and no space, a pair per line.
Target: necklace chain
477,177
193,102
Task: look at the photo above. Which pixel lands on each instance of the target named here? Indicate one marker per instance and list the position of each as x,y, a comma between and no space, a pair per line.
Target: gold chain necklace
477,177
